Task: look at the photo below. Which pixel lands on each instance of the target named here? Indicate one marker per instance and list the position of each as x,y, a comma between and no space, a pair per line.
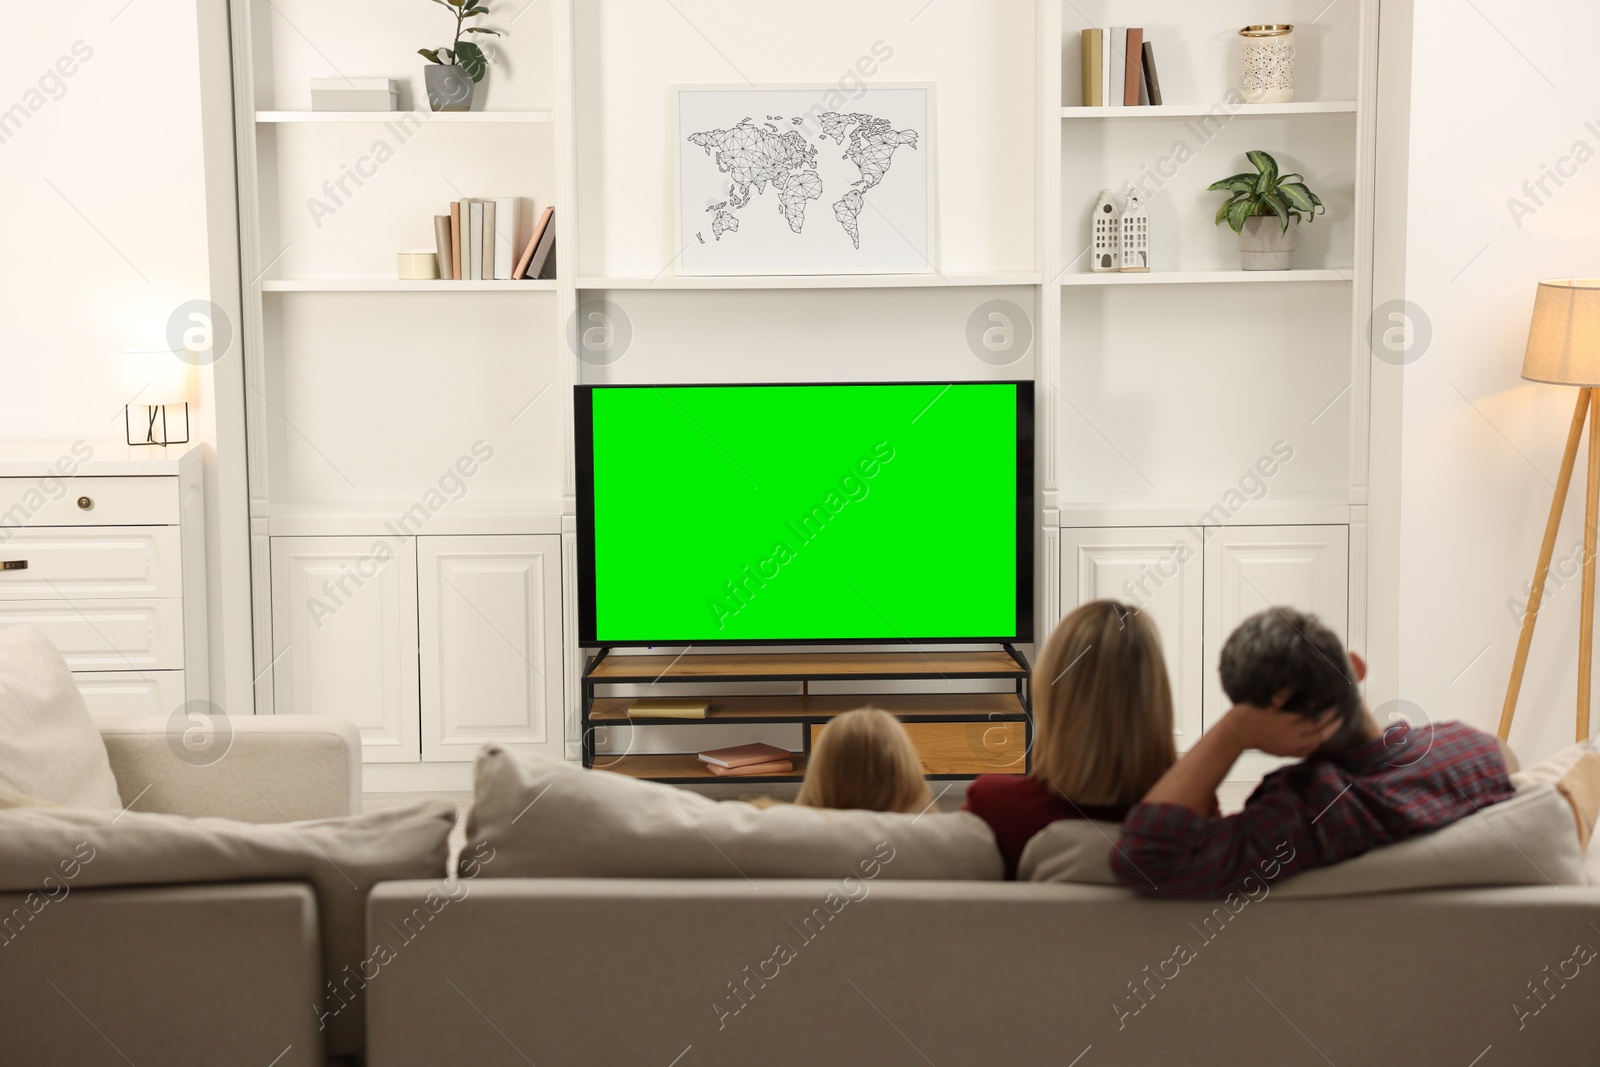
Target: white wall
111,223
1500,91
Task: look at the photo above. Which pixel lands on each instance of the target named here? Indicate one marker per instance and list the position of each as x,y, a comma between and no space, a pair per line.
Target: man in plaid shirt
1358,786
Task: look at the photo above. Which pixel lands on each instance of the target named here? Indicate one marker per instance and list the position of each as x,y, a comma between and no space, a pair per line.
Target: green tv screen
779,514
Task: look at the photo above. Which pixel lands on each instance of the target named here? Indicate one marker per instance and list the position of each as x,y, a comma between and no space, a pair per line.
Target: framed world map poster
805,180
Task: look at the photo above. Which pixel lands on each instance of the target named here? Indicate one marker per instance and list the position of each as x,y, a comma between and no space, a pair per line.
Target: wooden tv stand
958,735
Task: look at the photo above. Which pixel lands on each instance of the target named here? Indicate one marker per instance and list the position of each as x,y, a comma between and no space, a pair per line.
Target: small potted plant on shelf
452,72
1260,210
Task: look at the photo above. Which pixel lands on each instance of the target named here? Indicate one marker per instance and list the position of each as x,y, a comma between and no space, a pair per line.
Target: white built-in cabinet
1158,569
490,643
431,645
1199,582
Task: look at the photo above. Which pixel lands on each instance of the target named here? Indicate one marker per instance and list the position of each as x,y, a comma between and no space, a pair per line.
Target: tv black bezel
583,455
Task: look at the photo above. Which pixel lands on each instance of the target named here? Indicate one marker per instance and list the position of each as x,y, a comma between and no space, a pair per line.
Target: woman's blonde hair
865,759
1102,706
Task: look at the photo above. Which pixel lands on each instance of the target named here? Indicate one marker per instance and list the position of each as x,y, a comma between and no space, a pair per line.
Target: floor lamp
1564,349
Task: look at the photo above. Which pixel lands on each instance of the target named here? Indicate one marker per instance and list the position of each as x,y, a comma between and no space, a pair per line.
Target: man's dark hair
1284,650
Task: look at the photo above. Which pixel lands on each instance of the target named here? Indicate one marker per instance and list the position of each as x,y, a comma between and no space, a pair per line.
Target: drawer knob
13,565
86,503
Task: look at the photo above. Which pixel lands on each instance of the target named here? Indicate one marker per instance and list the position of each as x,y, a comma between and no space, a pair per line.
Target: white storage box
355,94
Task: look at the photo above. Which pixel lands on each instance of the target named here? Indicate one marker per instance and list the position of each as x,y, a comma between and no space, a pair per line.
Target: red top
1017,806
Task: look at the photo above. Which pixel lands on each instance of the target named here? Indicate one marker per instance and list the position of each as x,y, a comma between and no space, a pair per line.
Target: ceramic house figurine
1107,245
1135,231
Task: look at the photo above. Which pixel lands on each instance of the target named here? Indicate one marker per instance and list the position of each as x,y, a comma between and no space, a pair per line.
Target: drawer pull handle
86,503
13,565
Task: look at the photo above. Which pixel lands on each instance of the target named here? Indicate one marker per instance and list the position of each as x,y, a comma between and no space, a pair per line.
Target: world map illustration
755,155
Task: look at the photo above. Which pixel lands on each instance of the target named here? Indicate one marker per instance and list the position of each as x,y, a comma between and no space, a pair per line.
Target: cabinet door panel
61,563
131,692
490,644
1157,569
344,638
1251,568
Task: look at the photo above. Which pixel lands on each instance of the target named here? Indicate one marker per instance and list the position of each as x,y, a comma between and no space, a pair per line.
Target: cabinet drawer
967,747
106,635
143,501
130,692
94,561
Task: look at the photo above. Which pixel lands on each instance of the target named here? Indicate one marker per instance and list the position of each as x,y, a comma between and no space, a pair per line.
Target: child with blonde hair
1102,729
865,759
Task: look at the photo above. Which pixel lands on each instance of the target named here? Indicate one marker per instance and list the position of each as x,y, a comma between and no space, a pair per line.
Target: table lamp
155,379
1564,349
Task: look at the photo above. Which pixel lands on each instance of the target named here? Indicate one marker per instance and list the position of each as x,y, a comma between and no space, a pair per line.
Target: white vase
1264,244
1266,74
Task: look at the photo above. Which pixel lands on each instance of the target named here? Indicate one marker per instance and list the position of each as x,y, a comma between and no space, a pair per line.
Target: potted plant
1260,209
452,72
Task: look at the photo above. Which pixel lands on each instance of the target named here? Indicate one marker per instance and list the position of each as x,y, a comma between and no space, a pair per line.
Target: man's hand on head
1277,732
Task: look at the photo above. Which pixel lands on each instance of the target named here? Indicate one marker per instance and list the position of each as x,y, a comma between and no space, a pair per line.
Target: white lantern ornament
1135,230
1107,242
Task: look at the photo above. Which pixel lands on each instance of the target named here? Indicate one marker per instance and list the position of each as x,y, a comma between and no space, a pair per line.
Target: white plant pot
1264,244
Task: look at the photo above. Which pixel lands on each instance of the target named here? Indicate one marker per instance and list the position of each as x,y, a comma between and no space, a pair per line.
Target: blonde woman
1102,729
865,759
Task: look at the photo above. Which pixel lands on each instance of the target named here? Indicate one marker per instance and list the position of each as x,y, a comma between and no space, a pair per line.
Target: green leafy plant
468,56
1265,192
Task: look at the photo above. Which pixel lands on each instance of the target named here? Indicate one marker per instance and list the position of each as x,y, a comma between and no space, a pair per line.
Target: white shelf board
389,116
1205,277
382,519
396,285
813,281
1305,107
1276,509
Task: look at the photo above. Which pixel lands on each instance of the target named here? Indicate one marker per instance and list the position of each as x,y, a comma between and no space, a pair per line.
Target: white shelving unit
1158,394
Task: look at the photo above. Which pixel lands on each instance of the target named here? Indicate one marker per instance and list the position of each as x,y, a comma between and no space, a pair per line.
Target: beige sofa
617,971
212,974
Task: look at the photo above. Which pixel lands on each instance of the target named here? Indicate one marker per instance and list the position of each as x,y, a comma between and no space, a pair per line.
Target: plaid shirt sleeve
1309,815
1172,851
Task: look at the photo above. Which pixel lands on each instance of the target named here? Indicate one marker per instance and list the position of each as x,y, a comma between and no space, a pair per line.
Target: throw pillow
49,746
1575,773
549,819
342,859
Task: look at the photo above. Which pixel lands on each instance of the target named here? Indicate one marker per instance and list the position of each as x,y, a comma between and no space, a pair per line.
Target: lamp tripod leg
1541,570
1591,516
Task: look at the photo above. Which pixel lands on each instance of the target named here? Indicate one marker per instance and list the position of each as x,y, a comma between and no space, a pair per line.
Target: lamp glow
154,379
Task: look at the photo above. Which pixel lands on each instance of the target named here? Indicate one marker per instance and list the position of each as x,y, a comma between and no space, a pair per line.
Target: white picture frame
894,223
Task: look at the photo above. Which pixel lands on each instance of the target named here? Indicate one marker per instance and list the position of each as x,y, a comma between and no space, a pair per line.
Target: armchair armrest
274,768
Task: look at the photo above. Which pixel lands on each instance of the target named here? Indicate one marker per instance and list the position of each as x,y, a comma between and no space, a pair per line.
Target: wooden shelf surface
798,666
1219,109
797,708
685,767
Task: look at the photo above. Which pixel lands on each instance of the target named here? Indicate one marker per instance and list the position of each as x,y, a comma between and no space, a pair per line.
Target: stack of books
477,242
1119,68
743,760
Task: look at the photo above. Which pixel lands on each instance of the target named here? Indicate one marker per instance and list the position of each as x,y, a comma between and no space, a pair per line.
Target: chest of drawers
102,548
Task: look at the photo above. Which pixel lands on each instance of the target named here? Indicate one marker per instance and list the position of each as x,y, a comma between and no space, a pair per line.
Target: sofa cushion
48,850
546,818
1575,773
1527,840
49,746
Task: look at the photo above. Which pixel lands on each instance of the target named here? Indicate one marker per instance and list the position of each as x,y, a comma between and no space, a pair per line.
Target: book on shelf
1117,63
543,264
1105,67
782,766
1090,41
1152,84
505,236
491,208
533,243
455,240
666,708
441,238
1132,71
475,238
745,755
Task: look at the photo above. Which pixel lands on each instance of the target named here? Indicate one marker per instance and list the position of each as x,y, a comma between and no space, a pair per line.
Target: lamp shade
1564,337
154,376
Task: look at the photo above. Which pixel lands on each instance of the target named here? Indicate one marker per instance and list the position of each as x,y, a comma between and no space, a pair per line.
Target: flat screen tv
806,513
